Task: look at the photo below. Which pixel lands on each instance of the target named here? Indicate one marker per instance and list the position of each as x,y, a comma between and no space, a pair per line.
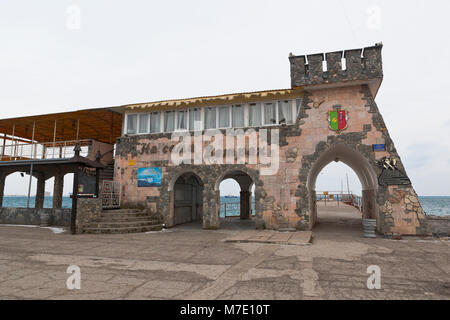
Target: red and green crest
338,120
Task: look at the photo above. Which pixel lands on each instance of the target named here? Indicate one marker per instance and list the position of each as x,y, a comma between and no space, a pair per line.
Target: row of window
235,116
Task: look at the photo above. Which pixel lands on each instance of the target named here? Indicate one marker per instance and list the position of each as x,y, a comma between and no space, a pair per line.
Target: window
270,114
210,118
169,121
155,122
143,123
285,112
131,124
298,102
224,117
238,116
195,117
182,120
254,114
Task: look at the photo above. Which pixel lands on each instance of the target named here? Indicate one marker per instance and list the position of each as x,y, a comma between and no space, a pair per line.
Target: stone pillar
245,205
40,192
368,203
2,187
58,191
211,208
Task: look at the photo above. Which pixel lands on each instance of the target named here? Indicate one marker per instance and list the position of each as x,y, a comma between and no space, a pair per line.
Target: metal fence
44,150
111,194
233,209
340,198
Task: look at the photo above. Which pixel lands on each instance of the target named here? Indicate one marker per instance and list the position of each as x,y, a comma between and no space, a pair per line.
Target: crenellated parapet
360,64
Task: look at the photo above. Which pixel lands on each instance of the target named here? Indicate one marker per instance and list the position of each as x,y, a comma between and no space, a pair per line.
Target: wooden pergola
104,125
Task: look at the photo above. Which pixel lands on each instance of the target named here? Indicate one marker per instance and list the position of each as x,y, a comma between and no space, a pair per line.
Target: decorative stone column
245,205
40,191
58,191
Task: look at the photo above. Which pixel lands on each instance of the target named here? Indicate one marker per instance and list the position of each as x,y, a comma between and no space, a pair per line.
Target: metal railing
43,151
338,197
111,194
233,209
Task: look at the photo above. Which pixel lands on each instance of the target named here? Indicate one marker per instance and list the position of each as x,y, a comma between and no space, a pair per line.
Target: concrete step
124,211
121,230
126,219
128,224
126,216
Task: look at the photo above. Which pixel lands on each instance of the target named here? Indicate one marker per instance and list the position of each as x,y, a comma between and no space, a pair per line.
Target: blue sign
149,177
379,147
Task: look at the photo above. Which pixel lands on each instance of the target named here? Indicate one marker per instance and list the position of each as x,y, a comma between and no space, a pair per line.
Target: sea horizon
432,205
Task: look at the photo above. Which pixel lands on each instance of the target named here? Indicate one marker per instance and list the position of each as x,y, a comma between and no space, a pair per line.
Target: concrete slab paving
191,263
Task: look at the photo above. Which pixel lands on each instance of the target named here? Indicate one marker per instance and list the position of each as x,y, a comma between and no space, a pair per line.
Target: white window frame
248,114
230,121
216,114
264,124
243,105
150,125
200,109
186,111
139,123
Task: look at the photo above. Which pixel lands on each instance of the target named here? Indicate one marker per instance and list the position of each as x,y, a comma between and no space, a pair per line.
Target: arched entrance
187,199
241,206
359,164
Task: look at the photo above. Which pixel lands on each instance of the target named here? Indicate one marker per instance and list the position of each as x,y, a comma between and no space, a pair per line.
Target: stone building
307,140
171,156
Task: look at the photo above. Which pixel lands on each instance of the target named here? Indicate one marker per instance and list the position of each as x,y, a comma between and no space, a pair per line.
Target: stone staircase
108,172
124,221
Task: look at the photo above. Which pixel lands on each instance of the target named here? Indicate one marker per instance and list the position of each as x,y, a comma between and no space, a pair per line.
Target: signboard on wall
379,147
149,177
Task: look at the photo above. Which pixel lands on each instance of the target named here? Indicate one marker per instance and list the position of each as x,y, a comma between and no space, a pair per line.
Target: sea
439,206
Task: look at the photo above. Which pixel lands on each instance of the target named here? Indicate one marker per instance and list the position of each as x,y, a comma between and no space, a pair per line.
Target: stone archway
360,165
186,195
245,182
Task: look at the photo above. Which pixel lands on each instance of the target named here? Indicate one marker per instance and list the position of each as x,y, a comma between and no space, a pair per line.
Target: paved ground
190,263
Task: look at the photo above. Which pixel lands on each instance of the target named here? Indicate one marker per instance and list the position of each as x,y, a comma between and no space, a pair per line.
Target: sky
64,55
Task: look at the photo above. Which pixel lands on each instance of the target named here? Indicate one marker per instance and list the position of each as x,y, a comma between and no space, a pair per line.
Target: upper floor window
195,119
285,112
254,114
182,120
224,117
298,103
169,121
132,123
210,118
143,122
237,115
155,122
270,113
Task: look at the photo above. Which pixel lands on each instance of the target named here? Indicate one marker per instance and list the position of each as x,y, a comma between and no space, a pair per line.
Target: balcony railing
44,151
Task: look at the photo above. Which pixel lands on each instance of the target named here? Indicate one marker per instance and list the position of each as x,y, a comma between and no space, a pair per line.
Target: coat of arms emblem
338,120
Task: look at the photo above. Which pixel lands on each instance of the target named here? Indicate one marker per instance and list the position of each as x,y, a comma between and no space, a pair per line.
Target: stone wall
285,199
88,209
440,226
361,64
24,216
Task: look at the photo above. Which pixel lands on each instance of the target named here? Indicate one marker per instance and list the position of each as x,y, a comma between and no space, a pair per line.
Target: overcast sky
120,52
